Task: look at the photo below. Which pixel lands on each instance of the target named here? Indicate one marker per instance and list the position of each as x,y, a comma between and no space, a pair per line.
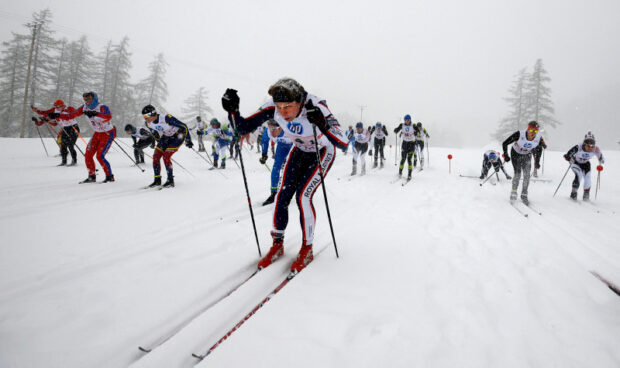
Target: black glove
370,153
230,100
315,116
497,169
90,113
506,157
263,159
34,119
189,143
53,115
135,145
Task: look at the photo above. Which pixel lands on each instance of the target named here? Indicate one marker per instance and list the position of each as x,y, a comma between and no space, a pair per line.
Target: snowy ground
439,273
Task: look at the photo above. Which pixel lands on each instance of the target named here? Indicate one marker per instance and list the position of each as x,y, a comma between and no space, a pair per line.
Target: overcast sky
447,63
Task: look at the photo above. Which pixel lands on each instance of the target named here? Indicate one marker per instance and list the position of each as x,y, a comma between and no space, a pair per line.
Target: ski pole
208,160
396,149
74,143
485,180
543,164
318,160
556,190
54,135
79,135
428,152
39,132
127,154
245,182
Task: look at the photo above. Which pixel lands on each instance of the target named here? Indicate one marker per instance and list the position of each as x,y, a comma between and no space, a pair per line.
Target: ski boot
354,171
363,170
524,198
513,195
215,163
73,162
535,173
270,200
586,195
381,165
421,163
304,257
374,166
109,179
169,183
409,175
276,251
400,172
482,176
508,177
156,182
223,165
573,194
63,162
90,179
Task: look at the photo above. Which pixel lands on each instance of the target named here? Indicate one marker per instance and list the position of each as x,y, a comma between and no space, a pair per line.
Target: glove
369,152
135,145
230,100
506,157
497,169
263,159
189,144
90,113
315,116
53,115
508,177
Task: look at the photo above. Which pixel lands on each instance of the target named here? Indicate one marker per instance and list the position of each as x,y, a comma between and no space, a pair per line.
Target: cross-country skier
579,156
537,153
420,135
200,131
274,133
170,134
69,132
296,111
524,142
408,146
380,132
362,137
222,138
350,134
142,138
492,159
99,117
259,138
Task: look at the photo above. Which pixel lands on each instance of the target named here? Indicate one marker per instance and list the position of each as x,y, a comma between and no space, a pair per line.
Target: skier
296,111
408,146
380,132
524,142
69,129
170,134
142,138
99,117
492,159
283,146
420,134
222,137
259,138
350,138
537,153
200,131
362,137
579,156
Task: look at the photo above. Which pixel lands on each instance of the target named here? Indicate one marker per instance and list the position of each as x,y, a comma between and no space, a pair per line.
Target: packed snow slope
438,273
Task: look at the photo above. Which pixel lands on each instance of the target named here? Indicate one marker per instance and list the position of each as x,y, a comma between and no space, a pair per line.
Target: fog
447,63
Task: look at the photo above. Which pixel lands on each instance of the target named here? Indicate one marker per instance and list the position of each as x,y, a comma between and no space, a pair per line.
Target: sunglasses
533,130
146,116
273,127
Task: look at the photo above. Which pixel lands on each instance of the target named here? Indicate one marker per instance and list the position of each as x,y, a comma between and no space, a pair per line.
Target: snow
439,273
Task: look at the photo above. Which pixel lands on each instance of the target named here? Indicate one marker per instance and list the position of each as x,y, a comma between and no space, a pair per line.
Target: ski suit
283,147
420,134
102,138
379,142
170,134
142,138
488,162
221,141
200,131
68,134
580,164
408,146
521,157
359,149
300,176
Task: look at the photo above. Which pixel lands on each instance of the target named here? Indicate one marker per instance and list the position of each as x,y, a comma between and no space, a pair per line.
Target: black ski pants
521,163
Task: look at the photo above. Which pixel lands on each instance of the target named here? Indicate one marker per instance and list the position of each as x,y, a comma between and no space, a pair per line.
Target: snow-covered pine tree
103,71
153,89
61,71
196,105
120,98
540,105
519,110
13,64
81,65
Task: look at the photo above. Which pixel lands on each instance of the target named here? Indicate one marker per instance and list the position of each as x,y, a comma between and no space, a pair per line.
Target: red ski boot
276,251
304,257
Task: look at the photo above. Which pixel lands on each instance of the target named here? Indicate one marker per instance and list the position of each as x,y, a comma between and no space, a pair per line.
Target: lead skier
296,111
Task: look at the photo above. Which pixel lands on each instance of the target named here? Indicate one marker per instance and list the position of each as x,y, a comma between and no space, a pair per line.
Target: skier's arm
72,114
171,120
599,154
265,143
384,130
426,133
320,116
513,138
398,128
43,112
569,156
251,123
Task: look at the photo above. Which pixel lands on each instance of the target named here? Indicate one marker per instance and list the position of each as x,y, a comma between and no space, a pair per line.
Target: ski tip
144,350
199,357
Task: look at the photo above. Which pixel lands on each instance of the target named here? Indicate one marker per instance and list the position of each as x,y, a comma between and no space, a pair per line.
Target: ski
180,326
533,208
396,179
514,205
286,280
469,176
406,181
609,284
541,180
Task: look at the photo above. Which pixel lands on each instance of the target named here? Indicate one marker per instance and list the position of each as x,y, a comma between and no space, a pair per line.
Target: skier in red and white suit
99,117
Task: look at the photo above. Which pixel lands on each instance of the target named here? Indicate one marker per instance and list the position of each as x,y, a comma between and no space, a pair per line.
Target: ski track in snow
440,272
